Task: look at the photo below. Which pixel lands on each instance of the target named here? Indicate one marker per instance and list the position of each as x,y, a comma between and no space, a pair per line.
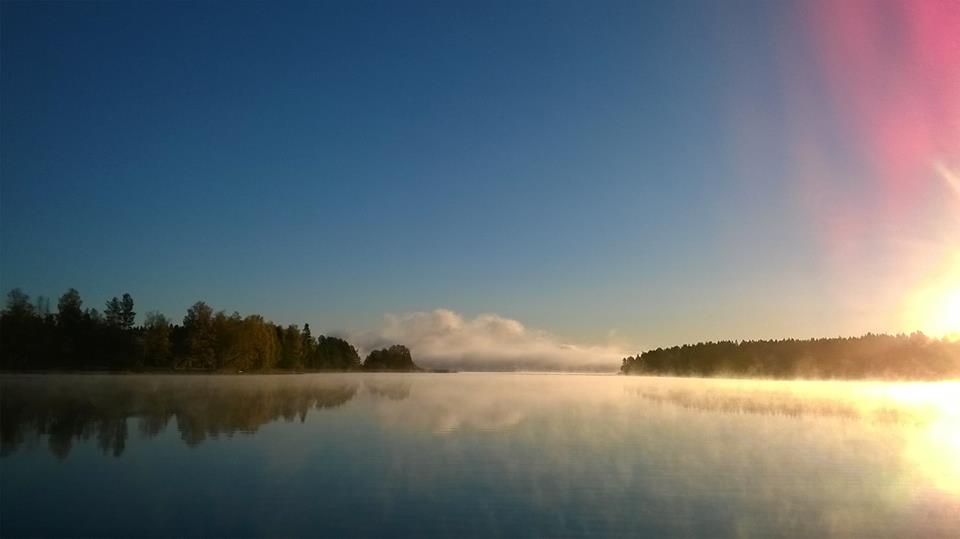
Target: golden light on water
935,453
933,448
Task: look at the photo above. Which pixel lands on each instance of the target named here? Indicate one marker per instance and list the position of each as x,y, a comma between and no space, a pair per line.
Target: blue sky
577,166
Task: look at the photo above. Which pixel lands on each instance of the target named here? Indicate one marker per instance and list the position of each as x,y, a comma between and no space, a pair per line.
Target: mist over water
477,455
444,339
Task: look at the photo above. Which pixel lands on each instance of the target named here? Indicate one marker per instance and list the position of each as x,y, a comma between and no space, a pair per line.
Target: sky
594,177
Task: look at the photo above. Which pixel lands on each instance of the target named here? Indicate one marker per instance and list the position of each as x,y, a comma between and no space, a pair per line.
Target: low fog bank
443,339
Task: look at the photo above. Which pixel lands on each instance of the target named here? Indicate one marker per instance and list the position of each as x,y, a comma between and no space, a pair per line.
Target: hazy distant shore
881,357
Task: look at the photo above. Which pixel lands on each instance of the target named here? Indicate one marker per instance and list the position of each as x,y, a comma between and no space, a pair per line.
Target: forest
914,357
32,337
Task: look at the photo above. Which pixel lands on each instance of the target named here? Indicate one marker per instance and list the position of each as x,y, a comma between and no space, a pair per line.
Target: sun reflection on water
934,449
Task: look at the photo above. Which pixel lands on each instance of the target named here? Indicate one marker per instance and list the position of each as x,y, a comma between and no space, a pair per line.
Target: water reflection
814,399
67,408
485,455
395,390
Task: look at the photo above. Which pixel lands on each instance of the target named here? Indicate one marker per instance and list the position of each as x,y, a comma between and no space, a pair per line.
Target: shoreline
281,372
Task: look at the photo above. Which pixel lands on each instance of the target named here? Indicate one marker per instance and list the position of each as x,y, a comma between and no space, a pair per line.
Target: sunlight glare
934,448
935,309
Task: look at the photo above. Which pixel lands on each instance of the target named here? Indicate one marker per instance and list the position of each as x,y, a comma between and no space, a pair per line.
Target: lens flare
949,176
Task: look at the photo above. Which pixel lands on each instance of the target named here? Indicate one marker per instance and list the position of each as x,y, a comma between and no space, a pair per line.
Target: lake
476,455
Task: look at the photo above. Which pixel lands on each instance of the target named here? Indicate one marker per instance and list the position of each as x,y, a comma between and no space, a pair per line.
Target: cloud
487,342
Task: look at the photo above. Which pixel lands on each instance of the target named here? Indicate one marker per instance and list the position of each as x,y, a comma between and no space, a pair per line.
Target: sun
944,318
935,308
937,313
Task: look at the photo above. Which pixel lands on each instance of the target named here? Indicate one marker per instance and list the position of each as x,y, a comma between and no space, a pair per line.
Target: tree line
73,338
913,356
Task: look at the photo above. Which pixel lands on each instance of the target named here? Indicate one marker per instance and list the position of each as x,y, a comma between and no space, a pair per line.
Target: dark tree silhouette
395,358
291,341
119,312
32,339
157,346
198,324
332,353
111,312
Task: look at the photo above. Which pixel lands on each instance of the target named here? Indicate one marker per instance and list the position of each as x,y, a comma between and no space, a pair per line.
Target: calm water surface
460,455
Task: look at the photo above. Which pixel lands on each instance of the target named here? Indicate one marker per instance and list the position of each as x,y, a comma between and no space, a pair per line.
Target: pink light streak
871,116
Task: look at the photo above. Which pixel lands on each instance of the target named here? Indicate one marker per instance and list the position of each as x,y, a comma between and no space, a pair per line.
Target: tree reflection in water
395,391
64,409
